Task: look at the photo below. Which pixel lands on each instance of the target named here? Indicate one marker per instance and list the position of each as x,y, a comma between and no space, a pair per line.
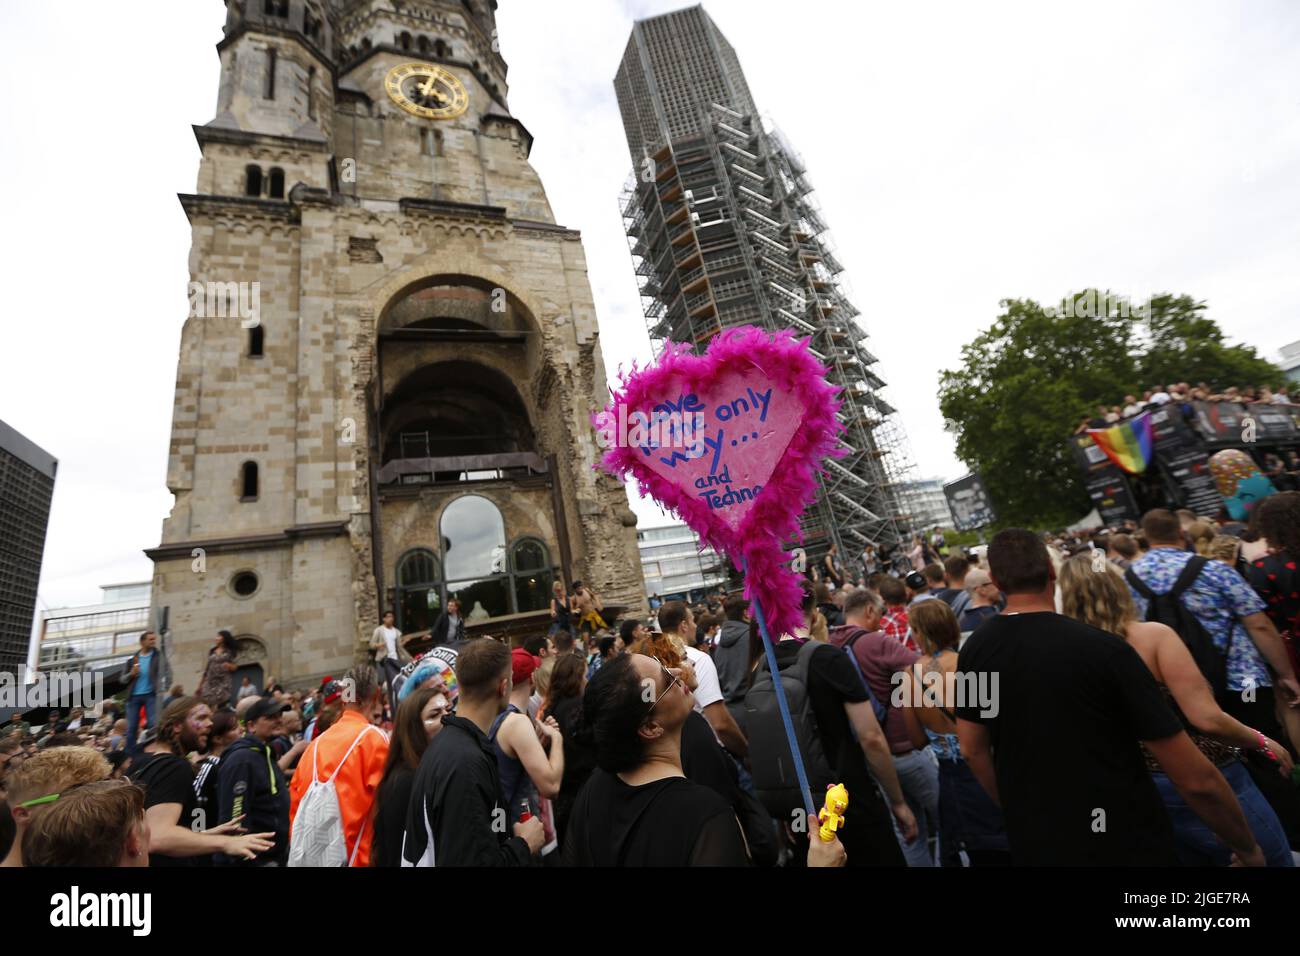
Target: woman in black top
419,718
564,703
638,808
561,609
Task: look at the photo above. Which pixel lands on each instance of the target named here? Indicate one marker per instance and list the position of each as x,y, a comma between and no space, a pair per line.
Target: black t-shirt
670,822
167,778
832,683
1071,704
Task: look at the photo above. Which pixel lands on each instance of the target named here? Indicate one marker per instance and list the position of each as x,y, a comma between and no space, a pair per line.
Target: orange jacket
357,783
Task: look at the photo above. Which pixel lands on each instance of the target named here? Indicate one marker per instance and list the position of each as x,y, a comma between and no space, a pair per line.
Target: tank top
516,785
563,616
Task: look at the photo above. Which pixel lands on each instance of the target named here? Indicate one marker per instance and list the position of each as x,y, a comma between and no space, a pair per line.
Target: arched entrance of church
249,663
468,504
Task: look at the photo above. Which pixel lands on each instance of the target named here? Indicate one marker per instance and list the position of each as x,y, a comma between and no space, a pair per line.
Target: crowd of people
1124,697
1182,394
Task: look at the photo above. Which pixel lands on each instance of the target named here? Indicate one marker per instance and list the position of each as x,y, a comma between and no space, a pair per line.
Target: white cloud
963,153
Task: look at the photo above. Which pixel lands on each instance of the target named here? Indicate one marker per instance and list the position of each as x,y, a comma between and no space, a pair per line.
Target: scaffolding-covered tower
724,232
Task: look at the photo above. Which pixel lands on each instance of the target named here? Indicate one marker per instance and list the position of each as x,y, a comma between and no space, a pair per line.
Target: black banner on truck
969,503
1181,457
1105,483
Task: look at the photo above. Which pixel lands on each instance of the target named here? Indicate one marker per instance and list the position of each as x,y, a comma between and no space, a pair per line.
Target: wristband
1263,745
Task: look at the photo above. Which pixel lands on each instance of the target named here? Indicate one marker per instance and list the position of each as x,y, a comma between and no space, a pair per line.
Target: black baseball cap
916,581
265,707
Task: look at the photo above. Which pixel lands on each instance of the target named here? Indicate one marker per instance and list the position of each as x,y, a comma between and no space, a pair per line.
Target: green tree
1183,345
1025,383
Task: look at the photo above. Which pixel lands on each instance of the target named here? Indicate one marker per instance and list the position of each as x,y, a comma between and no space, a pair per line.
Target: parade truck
1161,457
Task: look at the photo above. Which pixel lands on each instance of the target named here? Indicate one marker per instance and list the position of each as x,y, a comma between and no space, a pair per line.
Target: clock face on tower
426,90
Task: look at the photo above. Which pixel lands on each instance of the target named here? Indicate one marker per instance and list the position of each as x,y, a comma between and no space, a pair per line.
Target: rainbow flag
1127,444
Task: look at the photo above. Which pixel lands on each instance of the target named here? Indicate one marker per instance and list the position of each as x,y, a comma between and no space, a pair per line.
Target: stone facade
394,256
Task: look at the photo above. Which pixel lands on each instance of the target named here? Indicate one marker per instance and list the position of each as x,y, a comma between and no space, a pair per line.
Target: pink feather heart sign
732,441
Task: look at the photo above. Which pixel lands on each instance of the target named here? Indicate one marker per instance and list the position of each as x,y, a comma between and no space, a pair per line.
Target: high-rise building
385,382
26,489
724,232
1291,362
676,565
96,637
927,504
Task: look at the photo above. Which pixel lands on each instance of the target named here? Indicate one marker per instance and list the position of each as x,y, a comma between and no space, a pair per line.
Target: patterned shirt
1219,597
894,624
1276,579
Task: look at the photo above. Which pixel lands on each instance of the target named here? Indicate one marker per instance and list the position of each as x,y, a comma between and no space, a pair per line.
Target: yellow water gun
832,812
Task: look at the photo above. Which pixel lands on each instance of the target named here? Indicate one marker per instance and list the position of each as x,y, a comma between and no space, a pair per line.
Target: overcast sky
962,153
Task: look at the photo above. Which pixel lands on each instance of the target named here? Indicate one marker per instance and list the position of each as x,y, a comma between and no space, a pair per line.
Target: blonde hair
1201,533
542,676
52,771
1224,548
935,624
1096,594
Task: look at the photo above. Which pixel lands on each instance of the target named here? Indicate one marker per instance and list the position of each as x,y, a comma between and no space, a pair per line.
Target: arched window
474,558
422,44
404,40
365,43
419,591
531,573
256,339
277,183
252,180
248,481
441,49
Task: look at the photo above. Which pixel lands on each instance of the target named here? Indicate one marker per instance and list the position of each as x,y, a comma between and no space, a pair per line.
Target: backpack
772,765
318,837
881,710
1169,610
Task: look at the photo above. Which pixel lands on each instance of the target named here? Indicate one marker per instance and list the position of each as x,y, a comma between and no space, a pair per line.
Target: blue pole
785,709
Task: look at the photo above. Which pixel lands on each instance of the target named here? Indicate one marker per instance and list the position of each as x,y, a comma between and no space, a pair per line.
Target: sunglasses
672,679
49,798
